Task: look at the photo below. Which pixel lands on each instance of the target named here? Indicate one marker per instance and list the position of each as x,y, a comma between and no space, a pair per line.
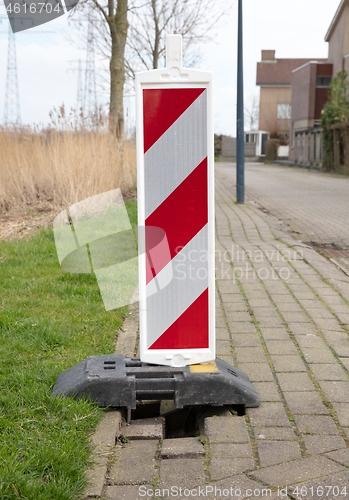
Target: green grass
50,320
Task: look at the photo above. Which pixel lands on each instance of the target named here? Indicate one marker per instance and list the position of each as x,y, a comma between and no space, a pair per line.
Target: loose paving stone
182,472
231,450
182,448
257,372
316,424
328,372
287,363
321,444
341,456
300,405
297,471
274,433
334,486
129,469
267,391
222,468
346,432
226,430
336,391
126,493
295,382
268,415
145,428
342,413
276,452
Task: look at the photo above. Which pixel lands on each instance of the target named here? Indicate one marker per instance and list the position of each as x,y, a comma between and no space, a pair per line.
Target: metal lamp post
240,146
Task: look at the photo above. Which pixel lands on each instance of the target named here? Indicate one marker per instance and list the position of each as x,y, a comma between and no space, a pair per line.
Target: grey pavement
312,205
282,317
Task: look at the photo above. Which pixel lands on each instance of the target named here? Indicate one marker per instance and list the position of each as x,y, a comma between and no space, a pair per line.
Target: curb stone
105,436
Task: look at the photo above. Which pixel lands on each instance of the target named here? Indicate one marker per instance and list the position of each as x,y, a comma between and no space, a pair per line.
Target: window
284,111
323,81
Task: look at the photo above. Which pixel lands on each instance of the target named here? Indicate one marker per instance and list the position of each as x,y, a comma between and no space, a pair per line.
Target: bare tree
252,112
131,34
109,18
151,20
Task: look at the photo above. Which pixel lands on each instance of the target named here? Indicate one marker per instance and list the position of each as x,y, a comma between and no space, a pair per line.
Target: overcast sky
294,28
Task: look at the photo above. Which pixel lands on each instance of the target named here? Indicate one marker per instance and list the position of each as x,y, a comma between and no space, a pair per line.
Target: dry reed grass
61,167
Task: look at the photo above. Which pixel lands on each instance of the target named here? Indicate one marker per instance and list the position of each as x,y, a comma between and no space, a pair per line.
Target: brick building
274,77
310,84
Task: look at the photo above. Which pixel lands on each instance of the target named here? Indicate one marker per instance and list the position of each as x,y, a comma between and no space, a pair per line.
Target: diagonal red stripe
190,330
161,108
182,215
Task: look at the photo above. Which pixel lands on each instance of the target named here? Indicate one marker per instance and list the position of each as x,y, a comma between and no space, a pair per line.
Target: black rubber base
115,380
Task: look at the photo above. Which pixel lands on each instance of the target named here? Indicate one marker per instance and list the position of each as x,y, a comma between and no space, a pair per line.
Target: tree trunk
157,35
118,25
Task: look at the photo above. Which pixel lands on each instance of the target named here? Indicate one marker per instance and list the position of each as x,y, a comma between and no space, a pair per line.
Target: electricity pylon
12,111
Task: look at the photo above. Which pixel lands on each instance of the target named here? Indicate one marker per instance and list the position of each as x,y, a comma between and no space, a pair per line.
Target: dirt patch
23,220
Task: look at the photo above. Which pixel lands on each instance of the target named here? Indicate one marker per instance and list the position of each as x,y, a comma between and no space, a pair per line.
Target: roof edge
335,19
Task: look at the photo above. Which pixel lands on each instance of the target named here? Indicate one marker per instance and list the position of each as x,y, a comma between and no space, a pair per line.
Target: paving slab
267,391
222,468
257,372
297,471
239,487
316,424
128,468
126,493
226,430
342,413
281,347
182,472
274,433
334,486
145,428
311,404
328,372
227,450
287,363
295,382
322,444
182,448
341,456
276,452
336,391
268,415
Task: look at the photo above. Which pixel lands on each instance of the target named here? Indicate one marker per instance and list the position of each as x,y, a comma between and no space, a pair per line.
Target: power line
79,93
90,94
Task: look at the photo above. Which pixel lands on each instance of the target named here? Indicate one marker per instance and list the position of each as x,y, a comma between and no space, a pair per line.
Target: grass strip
50,320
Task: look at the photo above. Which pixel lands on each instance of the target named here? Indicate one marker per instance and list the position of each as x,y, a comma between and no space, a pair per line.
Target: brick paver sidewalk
282,317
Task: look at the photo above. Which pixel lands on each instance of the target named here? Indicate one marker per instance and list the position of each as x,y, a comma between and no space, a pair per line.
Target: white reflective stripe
190,280
175,154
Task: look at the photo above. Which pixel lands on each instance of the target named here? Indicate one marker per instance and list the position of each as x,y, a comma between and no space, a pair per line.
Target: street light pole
240,141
